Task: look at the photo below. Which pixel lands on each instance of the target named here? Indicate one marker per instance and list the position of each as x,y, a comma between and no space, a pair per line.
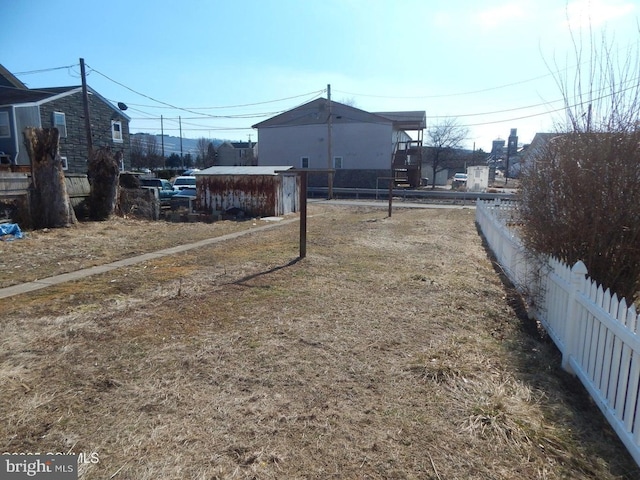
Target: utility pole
181,157
162,136
329,147
85,102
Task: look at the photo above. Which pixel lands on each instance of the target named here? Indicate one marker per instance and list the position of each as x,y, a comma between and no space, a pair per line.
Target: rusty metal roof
270,170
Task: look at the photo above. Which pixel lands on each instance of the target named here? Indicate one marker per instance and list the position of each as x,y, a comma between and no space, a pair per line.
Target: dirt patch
391,351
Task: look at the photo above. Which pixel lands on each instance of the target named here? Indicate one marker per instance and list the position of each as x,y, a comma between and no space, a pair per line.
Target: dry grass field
392,351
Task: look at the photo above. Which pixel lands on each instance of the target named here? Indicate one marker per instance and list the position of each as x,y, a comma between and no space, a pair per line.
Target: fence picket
603,334
632,319
581,352
632,394
596,330
616,356
607,356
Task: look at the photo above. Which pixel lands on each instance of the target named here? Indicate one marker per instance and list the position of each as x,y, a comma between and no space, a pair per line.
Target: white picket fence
596,332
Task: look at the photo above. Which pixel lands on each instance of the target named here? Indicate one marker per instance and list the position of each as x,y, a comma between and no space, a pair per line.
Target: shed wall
477,178
256,195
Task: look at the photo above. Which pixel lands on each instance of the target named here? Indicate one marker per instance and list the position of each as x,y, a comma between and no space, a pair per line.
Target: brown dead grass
392,351
43,253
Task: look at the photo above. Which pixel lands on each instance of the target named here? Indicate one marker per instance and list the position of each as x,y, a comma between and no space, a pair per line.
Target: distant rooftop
413,120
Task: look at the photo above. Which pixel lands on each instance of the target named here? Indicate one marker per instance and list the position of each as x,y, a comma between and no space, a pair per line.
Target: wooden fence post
578,272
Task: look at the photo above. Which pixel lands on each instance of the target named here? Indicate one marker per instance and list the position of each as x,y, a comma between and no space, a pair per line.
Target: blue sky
489,63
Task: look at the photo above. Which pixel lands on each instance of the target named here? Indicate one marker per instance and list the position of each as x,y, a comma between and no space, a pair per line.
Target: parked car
460,177
165,189
184,198
184,181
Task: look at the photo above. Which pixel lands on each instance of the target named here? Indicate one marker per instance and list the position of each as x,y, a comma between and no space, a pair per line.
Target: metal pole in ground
303,214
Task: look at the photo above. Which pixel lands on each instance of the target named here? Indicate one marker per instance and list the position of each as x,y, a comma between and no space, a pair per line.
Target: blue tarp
10,229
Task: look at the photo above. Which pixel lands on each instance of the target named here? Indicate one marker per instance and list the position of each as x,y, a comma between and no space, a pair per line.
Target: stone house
60,107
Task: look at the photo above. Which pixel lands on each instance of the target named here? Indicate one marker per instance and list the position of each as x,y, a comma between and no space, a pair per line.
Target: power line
43,70
633,83
241,105
191,110
141,94
563,108
239,117
445,95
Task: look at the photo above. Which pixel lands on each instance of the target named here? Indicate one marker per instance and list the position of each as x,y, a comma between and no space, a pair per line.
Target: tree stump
50,204
103,176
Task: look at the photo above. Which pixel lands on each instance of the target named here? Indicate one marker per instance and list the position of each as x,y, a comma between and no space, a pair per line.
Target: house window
116,131
337,162
60,122
5,131
304,162
65,164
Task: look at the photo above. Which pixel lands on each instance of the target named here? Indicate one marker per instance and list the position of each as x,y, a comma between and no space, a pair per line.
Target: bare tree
580,190
350,101
211,155
202,147
137,154
442,142
152,151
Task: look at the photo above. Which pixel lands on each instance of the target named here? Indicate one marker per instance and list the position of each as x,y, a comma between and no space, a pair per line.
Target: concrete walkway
87,272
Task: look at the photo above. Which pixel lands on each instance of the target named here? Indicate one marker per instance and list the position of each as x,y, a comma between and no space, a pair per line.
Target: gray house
60,107
236,154
362,144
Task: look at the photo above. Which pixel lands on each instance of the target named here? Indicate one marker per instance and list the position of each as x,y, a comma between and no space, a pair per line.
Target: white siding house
362,143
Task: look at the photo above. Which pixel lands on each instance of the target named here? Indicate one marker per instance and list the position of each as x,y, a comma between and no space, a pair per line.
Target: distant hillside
172,144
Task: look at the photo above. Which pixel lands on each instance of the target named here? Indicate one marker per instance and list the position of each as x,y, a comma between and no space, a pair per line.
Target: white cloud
594,13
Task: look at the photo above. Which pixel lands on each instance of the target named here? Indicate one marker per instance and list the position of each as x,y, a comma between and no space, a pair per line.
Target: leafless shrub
580,189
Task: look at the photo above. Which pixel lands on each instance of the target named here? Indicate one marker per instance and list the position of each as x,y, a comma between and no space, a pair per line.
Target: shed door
289,193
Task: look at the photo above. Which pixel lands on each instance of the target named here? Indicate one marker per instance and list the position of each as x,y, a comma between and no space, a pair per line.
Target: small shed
477,178
257,191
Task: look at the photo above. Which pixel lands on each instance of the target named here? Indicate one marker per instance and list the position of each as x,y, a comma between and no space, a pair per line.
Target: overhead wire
43,70
633,82
192,110
563,108
240,105
446,95
154,117
314,94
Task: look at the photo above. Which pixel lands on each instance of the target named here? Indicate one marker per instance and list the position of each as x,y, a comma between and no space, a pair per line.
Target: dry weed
389,352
